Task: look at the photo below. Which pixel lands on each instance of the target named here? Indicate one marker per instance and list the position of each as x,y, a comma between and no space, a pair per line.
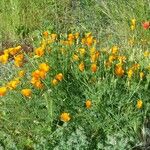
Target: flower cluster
76,53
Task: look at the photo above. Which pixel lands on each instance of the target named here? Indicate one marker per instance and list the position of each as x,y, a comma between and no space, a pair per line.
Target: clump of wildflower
65,117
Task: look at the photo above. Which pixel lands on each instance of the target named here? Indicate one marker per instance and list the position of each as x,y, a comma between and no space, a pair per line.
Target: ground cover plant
75,80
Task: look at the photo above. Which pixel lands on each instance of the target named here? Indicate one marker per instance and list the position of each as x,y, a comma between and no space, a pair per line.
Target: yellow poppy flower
54,82
65,117
133,24
44,67
75,57
135,66
112,58
18,63
26,92
88,104
93,68
38,84
39,51
71,37
13,84
121,59
141,75
139,104
3,91
21,73
34,80
59,77
130,73
107,64
89,41
146,53
114,50
77,35
81,66
15,50
45,33
119,71
4,58
82,51
92,50
39,74
54,36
